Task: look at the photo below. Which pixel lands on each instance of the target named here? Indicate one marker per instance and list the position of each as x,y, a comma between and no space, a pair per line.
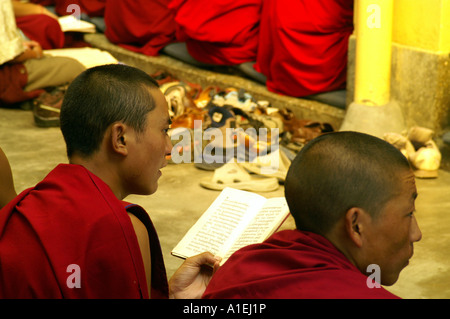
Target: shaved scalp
101,96
338,171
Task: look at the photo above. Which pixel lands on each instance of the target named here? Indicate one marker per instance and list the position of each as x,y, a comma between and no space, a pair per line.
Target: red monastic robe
13,78
221,32
141,26
291,265
43,29
303,45
93,8
69,222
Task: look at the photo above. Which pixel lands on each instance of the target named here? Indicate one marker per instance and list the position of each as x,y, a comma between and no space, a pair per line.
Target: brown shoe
47,107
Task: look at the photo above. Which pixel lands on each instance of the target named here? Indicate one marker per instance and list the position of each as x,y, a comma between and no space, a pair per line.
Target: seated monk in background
303,45
39,24
140,26
221,32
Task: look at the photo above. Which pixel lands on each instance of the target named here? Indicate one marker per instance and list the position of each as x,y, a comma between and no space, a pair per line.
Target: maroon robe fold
73,218
141,26
93,8
291,265
303,45
221,32
13,78
43,29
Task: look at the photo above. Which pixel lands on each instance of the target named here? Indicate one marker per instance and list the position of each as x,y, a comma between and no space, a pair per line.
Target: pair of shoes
419,148
47,107
206,152
427,158
189,116
235,98
204,97
302,130
275,164
177,97
268,171
233,175
162,77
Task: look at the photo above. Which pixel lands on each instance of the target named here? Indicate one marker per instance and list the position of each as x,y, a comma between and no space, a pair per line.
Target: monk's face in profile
390,236
147,152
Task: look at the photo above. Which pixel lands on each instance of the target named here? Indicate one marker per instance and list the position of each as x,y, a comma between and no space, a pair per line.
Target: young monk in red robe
352,197
140,26
72,235
303,45
223,32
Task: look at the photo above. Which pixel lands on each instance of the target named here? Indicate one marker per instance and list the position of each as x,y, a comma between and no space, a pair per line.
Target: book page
220,224
89,57
71,23
270,217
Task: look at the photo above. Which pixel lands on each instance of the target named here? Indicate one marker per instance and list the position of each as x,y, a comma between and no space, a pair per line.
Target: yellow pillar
422,24
372,110
373,29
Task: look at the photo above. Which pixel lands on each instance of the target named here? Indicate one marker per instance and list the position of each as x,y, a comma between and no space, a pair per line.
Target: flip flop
275,164
402,143
420,150
206,95
233,175
426,160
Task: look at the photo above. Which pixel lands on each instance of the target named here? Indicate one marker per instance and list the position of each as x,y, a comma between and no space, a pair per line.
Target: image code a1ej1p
230,309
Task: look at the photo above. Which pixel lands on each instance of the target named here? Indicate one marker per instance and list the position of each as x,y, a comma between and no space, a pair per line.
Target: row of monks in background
299,46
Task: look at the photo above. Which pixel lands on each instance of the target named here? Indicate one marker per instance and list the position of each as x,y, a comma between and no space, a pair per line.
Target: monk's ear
118,138
355,219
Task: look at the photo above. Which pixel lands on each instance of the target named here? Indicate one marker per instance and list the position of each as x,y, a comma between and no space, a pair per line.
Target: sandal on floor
233,175
177,99
426,160
401,142
163,77
188,118
419,148
206,95
275,164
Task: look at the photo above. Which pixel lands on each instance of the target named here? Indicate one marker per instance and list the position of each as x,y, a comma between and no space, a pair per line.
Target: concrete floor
180,201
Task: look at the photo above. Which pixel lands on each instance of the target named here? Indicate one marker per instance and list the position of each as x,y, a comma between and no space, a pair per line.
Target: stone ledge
306,109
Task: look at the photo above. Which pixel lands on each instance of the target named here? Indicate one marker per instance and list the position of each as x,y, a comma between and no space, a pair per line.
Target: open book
235,219
87,56
70,23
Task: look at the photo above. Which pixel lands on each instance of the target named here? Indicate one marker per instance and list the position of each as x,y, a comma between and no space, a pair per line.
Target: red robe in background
13,78
303,45
93,8
221,32
73,218
291,265
140,25
43,29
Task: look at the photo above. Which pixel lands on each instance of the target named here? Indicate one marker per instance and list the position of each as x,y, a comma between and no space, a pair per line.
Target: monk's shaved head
338,171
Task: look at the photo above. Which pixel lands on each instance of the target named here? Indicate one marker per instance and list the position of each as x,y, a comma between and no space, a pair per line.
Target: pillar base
374,120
